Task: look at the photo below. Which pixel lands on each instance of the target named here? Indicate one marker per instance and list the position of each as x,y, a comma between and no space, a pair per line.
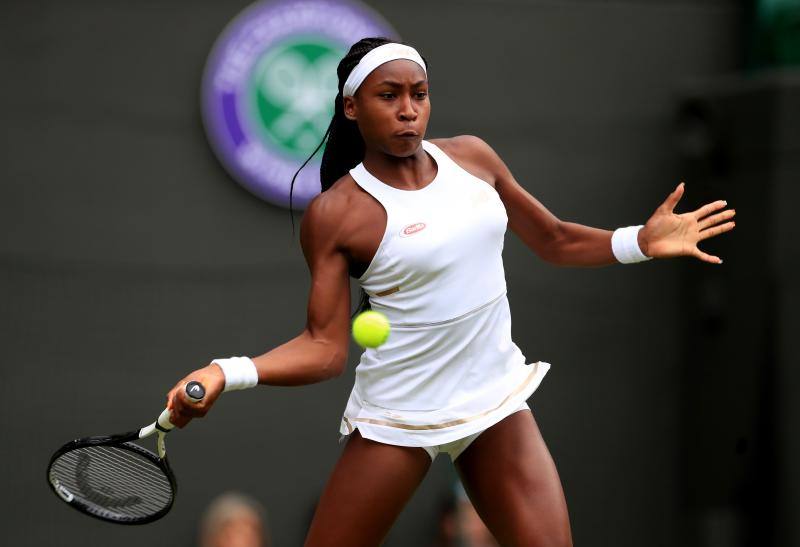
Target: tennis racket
116,480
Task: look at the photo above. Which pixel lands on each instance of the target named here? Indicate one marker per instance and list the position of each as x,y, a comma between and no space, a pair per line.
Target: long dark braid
344,146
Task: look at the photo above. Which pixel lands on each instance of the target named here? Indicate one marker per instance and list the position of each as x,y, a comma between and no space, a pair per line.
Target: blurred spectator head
459,523
234,520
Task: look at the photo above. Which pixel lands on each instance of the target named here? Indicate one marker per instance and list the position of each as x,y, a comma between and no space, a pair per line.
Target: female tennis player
420,225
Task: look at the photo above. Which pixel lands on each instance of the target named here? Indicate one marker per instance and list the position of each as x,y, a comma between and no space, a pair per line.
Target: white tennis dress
449,367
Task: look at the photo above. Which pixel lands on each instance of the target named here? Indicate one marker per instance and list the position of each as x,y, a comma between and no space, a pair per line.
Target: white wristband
625,245
240,372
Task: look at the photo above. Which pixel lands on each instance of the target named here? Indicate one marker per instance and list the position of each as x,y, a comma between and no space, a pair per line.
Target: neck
405,173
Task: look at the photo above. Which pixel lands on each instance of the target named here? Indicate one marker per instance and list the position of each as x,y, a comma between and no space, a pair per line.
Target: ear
349,107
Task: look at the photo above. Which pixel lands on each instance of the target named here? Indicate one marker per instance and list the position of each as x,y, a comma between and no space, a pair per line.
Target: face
392,108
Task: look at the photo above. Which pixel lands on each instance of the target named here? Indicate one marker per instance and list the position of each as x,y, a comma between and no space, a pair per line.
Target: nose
406,110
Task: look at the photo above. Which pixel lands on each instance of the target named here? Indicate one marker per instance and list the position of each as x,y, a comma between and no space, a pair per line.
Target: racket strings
114,479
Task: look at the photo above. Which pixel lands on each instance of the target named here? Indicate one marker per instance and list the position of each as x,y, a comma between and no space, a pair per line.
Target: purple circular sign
268,90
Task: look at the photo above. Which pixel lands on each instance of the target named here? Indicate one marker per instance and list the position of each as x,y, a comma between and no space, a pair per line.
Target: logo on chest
412,229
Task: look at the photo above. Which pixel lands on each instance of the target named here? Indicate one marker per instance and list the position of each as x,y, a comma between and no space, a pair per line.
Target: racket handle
194,392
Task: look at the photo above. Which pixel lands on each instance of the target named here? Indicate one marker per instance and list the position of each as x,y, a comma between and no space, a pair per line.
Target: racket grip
194,392
164,423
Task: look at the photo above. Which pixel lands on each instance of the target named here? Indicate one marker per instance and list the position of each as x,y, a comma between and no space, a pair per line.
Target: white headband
375,58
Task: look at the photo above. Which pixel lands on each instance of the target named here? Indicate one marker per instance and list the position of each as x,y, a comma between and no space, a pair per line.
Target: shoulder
328,218
473,154
326,213
464,145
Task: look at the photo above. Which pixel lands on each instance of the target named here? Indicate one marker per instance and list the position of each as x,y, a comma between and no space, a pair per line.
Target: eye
421,94
387,95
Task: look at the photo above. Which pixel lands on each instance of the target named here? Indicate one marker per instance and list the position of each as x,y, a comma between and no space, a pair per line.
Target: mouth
407,134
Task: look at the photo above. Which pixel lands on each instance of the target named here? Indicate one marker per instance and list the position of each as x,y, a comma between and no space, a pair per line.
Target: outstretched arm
317,353
553,240
666,233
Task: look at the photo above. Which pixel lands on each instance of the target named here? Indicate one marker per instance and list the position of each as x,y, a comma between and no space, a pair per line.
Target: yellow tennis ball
370,329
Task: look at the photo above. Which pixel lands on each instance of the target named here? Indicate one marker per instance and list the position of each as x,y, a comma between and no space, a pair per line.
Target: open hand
667,234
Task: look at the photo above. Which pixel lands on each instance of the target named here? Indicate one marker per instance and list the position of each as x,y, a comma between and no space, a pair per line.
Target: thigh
511,479
368,488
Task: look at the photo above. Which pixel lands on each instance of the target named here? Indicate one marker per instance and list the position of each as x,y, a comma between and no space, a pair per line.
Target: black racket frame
122,441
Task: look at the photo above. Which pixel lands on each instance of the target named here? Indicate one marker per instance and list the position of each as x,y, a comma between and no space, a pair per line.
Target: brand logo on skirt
412,229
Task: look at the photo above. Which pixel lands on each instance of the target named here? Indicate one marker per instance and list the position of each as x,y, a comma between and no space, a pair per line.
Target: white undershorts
455,448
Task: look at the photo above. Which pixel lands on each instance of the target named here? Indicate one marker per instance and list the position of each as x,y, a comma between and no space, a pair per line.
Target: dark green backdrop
128,257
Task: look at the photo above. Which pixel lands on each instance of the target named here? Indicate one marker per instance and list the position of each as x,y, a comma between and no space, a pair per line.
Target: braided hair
344,146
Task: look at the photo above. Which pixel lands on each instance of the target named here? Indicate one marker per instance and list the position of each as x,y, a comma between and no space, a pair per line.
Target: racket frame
123,441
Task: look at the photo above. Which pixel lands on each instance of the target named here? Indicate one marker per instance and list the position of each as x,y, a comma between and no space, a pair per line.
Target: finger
179,421
709,208
180,416
175,407
705,257
672,200
180,393
172,394
716,219
171,399
179,402
716,230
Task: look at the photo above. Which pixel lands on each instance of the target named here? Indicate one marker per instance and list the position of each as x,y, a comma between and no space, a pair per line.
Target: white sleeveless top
449,367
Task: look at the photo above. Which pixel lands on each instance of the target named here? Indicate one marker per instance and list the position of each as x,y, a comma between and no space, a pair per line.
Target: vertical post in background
739,139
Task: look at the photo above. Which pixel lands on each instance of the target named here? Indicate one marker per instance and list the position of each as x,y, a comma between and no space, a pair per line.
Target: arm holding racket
113,478
319,352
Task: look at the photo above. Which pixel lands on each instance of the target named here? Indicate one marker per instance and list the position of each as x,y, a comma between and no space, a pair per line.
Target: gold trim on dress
451,423
388,291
